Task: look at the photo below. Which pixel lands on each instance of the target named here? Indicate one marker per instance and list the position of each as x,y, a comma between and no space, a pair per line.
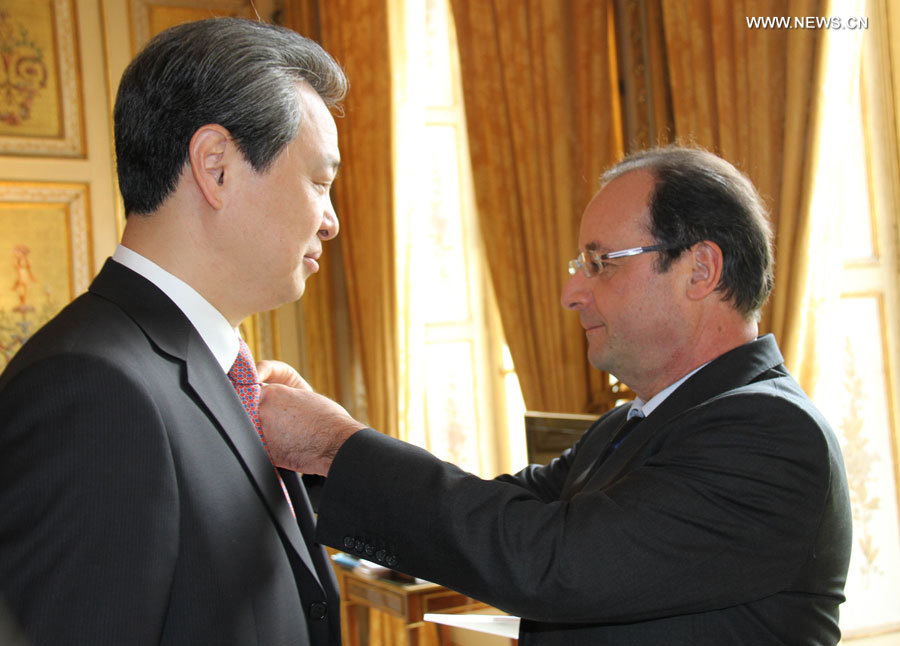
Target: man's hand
278,372
303,430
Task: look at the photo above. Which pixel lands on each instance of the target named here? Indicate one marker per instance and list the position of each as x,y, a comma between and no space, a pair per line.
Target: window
854,237
464,404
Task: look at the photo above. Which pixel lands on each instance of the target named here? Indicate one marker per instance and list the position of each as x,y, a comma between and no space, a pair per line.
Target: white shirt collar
642,408
214,329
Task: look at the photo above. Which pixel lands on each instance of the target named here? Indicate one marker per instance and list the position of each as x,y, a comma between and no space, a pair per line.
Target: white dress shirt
642,408
214,329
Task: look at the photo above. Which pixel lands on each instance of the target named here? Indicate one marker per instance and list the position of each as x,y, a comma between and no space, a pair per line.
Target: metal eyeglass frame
581,260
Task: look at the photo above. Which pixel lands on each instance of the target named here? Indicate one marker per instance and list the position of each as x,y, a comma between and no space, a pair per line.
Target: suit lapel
170,330
592,449
307,521
618,460
206,378
743,365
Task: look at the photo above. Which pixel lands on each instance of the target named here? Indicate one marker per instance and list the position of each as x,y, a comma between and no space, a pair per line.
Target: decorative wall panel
45,258
41,112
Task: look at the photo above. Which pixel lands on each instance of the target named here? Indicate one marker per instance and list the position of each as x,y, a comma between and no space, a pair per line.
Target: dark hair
699,196
233,72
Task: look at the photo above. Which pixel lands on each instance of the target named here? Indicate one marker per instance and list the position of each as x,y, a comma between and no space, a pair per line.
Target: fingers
285,440
303,430
264,370
278,372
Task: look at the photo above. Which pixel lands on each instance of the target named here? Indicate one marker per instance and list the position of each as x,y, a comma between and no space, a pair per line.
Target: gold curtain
751,96
540,91
353,31
318,306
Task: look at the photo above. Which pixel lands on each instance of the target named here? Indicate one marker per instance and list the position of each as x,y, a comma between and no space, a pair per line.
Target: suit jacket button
392,560
359,546
349,541
318,610
370,549
380,556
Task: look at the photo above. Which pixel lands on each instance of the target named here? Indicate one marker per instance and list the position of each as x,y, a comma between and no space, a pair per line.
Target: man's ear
706,269
208,154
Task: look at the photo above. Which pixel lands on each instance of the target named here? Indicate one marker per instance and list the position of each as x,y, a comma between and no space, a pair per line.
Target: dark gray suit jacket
138,504
723,518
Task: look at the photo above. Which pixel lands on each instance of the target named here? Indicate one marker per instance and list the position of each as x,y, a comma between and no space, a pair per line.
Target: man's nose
330,223
575,292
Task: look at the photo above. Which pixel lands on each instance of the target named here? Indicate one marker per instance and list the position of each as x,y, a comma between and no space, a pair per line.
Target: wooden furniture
408,601
549,434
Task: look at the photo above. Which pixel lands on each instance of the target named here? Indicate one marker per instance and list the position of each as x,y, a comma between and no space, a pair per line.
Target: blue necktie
623,431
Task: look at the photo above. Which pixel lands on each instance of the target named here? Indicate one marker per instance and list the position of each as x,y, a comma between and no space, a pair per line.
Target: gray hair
233,72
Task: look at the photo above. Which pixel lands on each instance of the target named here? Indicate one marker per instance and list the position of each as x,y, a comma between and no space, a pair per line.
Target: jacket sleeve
89,530
724,509
547,481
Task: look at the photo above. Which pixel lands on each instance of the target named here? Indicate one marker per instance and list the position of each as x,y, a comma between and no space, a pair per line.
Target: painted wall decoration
45,258
40,97
853,393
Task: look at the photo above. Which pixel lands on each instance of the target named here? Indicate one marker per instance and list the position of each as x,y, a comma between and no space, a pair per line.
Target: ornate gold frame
67,67
32,200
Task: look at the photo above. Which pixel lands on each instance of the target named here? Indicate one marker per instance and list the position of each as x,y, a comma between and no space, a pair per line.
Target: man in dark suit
718,515
139,504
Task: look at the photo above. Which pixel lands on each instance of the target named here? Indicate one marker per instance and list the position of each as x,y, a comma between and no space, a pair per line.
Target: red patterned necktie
246,382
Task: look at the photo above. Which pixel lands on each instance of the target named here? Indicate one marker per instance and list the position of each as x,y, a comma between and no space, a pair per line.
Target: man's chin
596,362
599,359
290,294
299,284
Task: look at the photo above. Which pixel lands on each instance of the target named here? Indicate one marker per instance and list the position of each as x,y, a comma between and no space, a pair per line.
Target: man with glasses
712,510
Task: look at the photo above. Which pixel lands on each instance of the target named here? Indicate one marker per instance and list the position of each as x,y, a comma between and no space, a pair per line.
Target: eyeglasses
591,262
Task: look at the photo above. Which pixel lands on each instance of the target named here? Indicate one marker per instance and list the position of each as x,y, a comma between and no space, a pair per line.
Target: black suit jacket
138,504
722,518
